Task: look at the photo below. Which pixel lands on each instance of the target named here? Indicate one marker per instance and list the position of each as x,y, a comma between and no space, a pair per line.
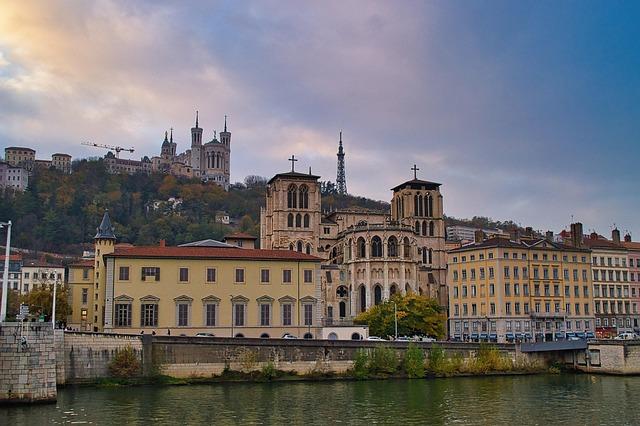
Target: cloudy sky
523,110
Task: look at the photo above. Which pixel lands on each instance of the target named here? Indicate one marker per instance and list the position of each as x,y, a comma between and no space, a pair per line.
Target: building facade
368,255
507,290
223,290
15,271
20,157
40,274
13,177
633,253
467,233
116,165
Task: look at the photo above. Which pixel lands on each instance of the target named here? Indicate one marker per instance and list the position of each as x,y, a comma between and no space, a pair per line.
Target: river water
517,400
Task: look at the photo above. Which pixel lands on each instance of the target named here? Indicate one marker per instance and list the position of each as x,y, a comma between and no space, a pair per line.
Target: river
521,400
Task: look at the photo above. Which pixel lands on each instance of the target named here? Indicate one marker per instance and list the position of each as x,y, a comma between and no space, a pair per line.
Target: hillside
59,213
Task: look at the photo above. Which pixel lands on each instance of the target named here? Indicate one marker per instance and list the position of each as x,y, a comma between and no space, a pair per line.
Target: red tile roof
12,257
211,253
601,243
633,245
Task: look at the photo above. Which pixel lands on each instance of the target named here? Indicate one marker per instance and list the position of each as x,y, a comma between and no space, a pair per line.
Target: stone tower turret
196,148
104,242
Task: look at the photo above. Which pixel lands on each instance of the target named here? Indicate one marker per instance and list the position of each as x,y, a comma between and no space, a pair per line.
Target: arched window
417,227
306,221
376,247
334,255
239,335
333,336
308,249
415,205
432,229
349,243
290,220
363,299
424,228
291,246
406,249
292,201
425,253
407,288
377,294
343,309
392,247
362,248
304,197
298,220
307,336
356,336
299,246
330,311
430,206
393,290
264,336
430,259
420,206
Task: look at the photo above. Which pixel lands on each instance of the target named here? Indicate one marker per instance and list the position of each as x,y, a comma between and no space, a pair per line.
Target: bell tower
104,242
196,148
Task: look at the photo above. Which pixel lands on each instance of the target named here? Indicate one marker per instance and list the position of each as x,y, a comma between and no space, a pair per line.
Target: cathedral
367,255
210,161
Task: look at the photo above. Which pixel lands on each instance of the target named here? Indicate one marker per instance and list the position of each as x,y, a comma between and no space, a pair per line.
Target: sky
526,111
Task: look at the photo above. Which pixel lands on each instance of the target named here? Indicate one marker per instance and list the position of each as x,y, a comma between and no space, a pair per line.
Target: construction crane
116,149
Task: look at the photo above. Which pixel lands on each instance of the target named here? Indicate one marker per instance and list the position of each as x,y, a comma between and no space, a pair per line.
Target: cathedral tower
196,148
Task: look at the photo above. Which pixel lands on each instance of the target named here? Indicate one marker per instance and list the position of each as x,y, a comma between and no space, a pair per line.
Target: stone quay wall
27,363
85,357
620,357
185,357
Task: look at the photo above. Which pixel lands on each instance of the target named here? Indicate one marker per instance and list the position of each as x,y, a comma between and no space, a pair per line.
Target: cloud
511,107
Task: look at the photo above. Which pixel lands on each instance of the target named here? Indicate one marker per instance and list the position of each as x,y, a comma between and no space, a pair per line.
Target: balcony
559,314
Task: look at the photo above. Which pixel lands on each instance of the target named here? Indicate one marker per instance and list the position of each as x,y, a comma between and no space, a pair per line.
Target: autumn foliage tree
417,315
40,300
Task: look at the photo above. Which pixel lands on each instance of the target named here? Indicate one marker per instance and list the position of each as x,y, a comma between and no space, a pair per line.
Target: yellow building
503,289
226,291
80,286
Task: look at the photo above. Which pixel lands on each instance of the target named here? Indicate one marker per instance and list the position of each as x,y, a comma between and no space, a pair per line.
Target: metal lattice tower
341,180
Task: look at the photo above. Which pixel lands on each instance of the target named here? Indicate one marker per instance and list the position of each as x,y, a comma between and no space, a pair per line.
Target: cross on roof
415,171
293,159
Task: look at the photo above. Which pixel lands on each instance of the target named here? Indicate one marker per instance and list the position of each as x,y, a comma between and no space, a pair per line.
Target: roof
60,154
12,257
210,253
105,230
417,184
602,243
206,243
497,242
632,245
295,175
85,263
240,236
39,264
19,147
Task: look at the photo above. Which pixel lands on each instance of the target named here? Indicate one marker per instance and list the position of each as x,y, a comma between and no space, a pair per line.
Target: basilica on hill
367,255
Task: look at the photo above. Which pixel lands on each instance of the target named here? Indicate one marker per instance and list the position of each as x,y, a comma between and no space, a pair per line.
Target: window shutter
157,274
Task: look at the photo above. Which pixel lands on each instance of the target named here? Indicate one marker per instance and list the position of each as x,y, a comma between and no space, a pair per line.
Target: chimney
615,236
163,243
549,235
593,235
478,236
514,234
627,238
528,231
577,234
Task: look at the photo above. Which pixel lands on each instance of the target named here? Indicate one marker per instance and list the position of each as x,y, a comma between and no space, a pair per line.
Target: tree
40,301
417,315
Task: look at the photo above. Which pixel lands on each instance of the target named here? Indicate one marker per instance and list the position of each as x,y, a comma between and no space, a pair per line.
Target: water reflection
524,400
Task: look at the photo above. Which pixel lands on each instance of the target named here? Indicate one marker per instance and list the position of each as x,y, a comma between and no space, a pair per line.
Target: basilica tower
196,148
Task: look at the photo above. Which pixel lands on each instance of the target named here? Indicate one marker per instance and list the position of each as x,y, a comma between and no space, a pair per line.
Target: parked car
376,339
205,335
627,336
288,336
428,339
404,339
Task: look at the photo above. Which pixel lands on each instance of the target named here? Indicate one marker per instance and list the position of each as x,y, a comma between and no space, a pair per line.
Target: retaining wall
27,363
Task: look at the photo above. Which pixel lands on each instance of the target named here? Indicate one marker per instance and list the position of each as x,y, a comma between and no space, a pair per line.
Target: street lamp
5,277
231,296
395,318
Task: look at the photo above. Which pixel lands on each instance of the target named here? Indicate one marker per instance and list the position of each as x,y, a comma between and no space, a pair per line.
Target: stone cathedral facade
367,255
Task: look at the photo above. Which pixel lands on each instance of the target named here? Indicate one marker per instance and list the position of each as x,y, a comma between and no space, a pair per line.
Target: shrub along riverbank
378,363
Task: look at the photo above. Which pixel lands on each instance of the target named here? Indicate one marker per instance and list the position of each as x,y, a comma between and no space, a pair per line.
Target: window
264,276
184,275
506,271
525,289
149,315
507,289
286,276
508,308
150,272
239,314
491,273
85,274
455,275
183,314
308,276
85,296
492,289
239,275
516,289
210,310
286,313
265,314
492,308
123,274
308,314
123,315
211,275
